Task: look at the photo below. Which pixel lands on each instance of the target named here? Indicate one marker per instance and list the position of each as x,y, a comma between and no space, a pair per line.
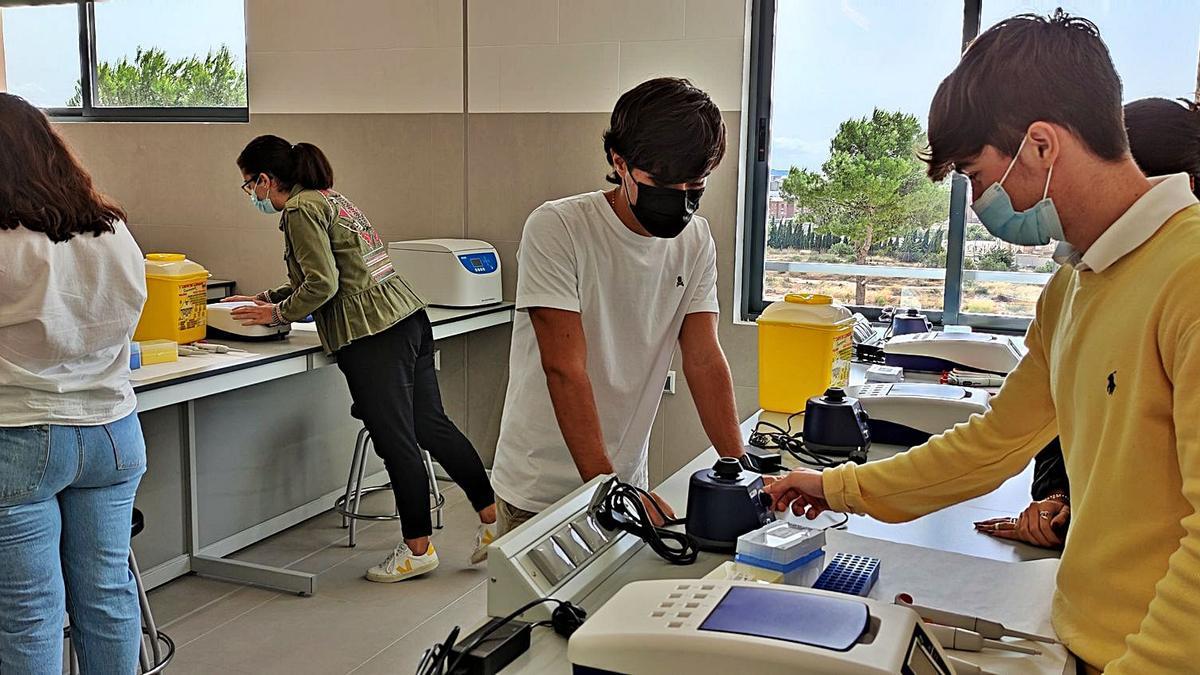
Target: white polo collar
1167,196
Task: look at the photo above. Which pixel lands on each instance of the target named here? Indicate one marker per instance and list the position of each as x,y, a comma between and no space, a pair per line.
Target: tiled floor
350,625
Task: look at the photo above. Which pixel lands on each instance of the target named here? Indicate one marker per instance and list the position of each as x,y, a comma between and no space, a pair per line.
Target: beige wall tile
714,65
620,20
518,162
357,81
558,78
483,73
300,25
512,22
715,19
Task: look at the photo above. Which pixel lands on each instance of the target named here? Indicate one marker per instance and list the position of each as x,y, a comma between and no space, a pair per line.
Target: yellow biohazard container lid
173,267
812,310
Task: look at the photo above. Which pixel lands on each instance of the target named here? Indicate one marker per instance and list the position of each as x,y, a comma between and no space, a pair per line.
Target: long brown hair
42,185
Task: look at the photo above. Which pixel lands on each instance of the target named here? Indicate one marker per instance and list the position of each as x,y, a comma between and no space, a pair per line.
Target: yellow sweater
1114,369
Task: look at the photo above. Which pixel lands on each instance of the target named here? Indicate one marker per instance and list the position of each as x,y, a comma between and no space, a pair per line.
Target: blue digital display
479,263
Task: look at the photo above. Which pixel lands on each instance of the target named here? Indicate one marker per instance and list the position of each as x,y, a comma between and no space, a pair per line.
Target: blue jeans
66,505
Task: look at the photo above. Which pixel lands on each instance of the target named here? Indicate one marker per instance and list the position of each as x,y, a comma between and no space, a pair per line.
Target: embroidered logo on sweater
678,282
1112,382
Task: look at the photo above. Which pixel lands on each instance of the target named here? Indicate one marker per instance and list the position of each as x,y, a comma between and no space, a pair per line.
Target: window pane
850,212
1001,278
41,54
171,53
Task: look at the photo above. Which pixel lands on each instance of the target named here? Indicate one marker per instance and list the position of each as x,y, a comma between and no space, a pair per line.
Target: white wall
355,56
579,55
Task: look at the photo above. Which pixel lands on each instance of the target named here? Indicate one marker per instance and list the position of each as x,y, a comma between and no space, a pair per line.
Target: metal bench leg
435,491
358,490
359,456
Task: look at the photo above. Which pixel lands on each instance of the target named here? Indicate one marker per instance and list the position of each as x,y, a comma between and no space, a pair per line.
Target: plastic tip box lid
781,542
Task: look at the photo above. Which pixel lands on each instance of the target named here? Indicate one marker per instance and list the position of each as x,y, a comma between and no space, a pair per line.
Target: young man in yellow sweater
1032,115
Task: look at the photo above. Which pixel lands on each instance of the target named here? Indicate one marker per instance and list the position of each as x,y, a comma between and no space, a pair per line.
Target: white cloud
856,17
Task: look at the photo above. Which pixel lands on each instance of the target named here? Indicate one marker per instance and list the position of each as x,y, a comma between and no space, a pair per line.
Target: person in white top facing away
608,284
72,286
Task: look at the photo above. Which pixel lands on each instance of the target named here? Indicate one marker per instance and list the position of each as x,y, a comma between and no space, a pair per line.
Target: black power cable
624,508
565,619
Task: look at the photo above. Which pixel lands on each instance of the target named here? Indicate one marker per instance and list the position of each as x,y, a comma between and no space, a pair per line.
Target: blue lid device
849,573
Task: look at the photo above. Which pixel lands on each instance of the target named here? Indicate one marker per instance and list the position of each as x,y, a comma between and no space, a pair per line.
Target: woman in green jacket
339,272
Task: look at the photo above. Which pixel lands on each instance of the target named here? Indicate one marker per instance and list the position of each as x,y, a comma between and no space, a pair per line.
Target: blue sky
41,43
837,59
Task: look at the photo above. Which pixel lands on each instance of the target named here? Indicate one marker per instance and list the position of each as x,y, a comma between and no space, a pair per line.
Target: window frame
756,170
88,111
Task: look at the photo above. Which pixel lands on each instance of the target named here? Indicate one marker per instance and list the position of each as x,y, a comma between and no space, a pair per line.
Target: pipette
992,630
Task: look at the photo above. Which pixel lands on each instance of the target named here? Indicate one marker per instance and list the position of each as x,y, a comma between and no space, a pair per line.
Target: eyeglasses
248,186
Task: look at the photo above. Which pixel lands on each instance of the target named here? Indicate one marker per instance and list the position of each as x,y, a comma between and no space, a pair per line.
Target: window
836,199
144,60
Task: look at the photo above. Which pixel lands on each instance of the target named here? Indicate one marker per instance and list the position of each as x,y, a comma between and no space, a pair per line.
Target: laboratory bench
949,530
244,445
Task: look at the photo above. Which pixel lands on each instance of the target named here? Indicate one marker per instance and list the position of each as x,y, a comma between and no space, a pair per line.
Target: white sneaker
401,564
484,536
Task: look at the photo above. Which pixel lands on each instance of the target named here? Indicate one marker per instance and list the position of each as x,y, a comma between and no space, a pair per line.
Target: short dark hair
301,164
43,187
1026,69
667,127
1164,136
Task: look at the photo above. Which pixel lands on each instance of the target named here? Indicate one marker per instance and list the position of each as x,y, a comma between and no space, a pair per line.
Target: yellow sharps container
176,300
805,343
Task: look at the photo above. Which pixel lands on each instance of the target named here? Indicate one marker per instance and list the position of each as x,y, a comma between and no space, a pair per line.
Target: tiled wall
579,55
378,85
362,56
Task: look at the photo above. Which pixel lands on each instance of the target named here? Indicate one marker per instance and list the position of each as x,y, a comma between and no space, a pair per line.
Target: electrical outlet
437,359
669,386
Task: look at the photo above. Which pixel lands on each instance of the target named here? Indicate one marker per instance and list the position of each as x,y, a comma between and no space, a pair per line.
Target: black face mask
664,212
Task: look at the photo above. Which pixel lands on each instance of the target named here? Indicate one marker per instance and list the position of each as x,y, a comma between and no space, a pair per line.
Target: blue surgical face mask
1034,226
265,204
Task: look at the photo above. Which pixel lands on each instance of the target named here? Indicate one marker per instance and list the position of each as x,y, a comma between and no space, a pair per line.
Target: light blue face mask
263,205
1034,226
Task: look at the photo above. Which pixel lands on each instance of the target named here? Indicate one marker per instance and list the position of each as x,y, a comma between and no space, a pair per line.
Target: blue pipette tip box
850,574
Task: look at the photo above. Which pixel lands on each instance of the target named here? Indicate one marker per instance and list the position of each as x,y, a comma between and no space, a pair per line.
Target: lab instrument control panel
563,553
479,263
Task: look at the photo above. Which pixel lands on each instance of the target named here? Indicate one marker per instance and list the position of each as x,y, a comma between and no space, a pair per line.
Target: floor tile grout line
201,608
419,626
274,596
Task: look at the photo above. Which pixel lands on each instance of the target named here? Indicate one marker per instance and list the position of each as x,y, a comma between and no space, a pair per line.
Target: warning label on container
843,352
193,307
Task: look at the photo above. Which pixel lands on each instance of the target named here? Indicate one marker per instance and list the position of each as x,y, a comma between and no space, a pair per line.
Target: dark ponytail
1164,136
301,164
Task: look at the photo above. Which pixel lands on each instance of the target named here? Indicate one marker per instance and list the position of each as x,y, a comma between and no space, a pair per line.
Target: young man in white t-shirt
608,284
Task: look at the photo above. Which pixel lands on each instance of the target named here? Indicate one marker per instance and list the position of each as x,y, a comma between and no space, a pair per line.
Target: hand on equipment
1042,523
658,509
243,298
262,314
801,489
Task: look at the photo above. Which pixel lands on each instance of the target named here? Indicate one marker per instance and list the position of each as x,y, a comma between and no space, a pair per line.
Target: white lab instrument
940,352
449,272
885,374
222,324
560,553
715,627
963,640
909,413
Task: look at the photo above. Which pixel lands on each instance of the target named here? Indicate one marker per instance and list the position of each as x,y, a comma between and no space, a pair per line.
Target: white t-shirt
67,313
632,293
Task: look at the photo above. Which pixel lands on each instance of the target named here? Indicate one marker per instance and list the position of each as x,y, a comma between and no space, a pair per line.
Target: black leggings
395,390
